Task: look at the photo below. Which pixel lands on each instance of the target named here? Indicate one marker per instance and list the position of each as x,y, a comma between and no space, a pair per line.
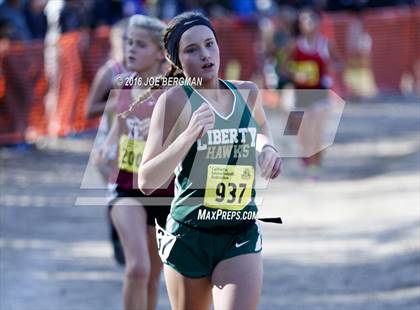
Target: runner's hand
101,155
201,121
270,163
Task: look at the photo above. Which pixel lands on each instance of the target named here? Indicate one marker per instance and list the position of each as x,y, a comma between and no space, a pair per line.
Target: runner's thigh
130,219
237,282
187,293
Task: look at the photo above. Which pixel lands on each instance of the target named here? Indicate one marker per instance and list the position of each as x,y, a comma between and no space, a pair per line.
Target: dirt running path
350,241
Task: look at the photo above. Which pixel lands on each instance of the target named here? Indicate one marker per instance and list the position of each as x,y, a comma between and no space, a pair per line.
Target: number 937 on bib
228,187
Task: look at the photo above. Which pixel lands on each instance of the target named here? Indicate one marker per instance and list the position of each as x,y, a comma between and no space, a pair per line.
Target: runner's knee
138,271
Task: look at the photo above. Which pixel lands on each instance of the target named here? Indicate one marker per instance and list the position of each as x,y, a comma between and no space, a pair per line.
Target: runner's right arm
98,94
101,155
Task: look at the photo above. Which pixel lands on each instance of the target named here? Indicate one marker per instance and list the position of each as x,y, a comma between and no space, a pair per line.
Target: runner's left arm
269,158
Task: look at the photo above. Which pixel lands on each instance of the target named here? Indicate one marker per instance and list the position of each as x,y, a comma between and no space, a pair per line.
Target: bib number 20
130,154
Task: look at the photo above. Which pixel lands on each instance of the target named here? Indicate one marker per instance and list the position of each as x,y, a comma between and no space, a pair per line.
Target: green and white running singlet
213,212
214,184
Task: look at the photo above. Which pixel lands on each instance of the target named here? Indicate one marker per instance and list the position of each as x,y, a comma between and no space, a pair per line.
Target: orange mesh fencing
25,86
90,58
238,42
334,27
395,38
80,56
395,34
393,50
70,76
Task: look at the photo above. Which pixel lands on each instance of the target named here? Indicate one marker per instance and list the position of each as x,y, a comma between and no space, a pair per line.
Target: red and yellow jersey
309,63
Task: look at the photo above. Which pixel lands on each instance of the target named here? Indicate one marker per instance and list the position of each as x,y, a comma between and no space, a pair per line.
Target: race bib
130,153
310,70
228,187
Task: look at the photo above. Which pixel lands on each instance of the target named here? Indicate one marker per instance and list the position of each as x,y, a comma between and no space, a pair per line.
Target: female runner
209,135
132,214
311,58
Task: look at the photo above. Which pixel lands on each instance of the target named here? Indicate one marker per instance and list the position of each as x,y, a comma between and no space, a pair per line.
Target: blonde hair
155,26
